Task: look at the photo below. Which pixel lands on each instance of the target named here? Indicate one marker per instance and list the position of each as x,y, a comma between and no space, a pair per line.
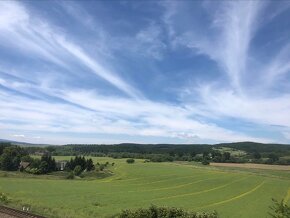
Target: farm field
238,193
252,166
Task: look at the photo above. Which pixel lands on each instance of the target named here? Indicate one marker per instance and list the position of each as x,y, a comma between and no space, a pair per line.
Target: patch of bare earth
4,215
252,166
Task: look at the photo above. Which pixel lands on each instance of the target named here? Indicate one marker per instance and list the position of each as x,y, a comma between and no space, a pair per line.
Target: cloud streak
61,85
37,36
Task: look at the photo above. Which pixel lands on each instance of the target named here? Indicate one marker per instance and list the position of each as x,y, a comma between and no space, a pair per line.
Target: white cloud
12,14
270,111
228,43
37,36
228,38
110,115
18,136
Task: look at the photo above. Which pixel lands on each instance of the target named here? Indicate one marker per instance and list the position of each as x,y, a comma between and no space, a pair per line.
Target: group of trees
79,164
46,164
10,156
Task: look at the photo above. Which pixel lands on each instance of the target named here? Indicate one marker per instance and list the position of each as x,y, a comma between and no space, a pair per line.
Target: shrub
130,160
279,209
205,162
78,170
35,171
3,198
70,176
162,212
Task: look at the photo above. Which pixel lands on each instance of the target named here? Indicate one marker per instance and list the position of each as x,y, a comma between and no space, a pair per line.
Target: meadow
231,192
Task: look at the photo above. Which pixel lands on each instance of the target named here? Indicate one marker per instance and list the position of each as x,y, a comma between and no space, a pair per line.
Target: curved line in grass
173,187
234,198
121,174
138,178
199,192
168,179
166,188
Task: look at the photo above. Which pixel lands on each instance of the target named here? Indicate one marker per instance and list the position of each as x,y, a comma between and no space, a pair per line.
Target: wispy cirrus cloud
229,35
251,93
111,116
38,36
71,86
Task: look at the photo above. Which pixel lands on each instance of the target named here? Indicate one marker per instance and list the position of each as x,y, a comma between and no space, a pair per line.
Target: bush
162,212
279,209
130,160
78,170
35,171
205,162
3,198
71,175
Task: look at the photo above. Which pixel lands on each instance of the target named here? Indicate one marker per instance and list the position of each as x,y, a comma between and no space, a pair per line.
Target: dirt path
252,166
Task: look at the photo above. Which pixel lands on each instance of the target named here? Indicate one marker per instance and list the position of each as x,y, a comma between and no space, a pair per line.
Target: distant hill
254,146
24,144
249,147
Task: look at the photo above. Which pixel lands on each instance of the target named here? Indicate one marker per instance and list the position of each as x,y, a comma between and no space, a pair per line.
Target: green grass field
233,193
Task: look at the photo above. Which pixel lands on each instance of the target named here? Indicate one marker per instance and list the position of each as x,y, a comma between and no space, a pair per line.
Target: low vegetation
130,160
279,209
164,212
3,198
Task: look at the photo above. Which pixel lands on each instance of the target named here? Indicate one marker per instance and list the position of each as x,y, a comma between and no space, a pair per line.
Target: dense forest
240,152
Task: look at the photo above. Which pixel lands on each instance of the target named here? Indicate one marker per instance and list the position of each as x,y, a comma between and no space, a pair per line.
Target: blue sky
145,71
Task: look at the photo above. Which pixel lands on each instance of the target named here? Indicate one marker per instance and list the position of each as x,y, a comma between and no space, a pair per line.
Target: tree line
255,152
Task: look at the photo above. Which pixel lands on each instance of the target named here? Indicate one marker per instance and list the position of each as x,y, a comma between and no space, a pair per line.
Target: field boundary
252,166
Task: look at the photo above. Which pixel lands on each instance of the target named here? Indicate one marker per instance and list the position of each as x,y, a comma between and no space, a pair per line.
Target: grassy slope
233,193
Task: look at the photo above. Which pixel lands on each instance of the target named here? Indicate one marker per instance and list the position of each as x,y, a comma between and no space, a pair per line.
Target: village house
60,165
23,165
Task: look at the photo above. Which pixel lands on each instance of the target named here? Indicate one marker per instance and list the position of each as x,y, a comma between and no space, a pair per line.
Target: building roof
24,164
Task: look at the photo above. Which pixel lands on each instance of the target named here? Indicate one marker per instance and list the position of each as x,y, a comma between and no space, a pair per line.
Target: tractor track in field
17,213
165,180
168,188
199,192
234,198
